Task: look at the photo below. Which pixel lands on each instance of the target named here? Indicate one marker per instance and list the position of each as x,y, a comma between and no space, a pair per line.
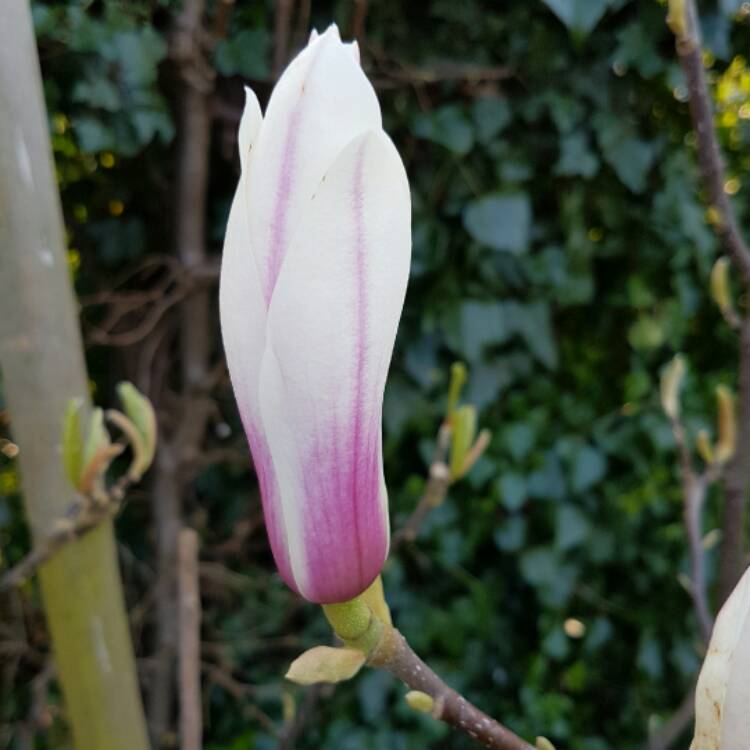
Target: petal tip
354,50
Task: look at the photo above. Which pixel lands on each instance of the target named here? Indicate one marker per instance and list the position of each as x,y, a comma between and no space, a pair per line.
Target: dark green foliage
561,251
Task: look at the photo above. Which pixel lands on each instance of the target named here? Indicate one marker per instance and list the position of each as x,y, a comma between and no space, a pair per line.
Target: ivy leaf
576,157
512,490
571,527
97,92
510,535
447,126
589,467
500,221
630,156
245,54
491,114
478,325
93,135
580,16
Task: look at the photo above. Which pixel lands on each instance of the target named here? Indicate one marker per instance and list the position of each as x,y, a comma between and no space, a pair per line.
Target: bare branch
671,730
283,23
694,488
84,514
396,656
191,710
709,154
737,476
435,492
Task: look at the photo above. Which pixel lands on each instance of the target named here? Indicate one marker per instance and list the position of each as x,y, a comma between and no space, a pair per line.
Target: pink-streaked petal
243,326
331,328
321,102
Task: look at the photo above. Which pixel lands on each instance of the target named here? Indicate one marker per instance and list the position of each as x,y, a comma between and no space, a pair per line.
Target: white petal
331,329
736,728
321,102
249,126
722,696
243,328
354,51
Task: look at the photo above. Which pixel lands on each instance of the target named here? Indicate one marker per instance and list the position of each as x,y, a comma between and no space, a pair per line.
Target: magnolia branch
395,655
439,481
694,487
683,20
435,492
191,709
84,515
684,23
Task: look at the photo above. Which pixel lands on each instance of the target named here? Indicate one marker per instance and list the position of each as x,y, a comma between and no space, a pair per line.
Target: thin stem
83,516
191,707
736,478
395,655
434,494
737,475
709,154
694,489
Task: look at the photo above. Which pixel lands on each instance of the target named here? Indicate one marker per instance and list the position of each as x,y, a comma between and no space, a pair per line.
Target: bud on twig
705,446
419,701
671,381
325,664
72,441
720,283
727,424
721,290
98,453
140,412
677,18
457,381
464,421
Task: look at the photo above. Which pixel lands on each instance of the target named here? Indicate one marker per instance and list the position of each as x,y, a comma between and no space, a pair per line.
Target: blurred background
561,250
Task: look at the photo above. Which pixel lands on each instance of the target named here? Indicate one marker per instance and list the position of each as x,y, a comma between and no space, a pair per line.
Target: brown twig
189,50
672,729
282,26
292,730
684,23
434,494
709,154
694,488
737,475
391,72
358,20
396,656
84,515
191,725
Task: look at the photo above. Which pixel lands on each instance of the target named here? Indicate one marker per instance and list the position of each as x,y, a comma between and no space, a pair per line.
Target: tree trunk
42,364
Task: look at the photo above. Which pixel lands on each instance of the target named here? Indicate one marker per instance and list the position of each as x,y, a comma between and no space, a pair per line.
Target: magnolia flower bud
722,696
313,279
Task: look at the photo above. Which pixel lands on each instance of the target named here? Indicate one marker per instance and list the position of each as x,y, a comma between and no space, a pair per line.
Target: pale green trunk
41,359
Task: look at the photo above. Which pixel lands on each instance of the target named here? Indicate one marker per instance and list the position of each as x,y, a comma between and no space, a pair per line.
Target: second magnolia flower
314,272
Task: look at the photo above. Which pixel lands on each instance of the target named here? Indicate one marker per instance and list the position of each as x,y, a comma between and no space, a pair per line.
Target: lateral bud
671,382
721,291
419,701
325,664
727,424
